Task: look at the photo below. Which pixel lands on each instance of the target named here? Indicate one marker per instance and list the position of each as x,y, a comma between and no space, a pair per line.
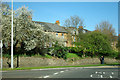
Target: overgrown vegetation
58,51
93,44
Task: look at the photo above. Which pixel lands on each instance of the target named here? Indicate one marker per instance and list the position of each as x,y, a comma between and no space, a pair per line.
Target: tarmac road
76,72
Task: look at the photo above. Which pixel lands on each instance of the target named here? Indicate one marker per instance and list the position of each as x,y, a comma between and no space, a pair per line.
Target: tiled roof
51,27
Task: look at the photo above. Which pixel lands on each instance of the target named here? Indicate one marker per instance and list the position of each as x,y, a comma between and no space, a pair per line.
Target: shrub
58,51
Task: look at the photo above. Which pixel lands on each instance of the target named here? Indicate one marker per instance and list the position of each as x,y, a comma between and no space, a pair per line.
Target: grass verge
45,67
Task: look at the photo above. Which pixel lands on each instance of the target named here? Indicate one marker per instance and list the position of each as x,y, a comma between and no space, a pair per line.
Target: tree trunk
17,61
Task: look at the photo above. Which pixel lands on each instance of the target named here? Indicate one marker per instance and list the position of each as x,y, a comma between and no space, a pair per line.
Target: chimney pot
57,22
81,27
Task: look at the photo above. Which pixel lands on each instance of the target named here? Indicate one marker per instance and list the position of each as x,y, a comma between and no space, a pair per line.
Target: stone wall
37,61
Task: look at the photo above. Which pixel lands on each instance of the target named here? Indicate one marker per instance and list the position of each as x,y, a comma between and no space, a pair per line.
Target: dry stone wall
38,62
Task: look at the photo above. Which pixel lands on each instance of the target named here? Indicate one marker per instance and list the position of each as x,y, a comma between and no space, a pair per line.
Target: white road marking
111,77
103,72
61,71
100,72
46,76
112,73
101,76
91,75
55,73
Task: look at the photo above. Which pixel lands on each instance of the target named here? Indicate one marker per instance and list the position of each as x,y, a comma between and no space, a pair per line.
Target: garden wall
37,61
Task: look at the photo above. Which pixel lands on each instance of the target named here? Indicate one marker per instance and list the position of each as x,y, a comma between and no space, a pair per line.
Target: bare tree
73,21
106,28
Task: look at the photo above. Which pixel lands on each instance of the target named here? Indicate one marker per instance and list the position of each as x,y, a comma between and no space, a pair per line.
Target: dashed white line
111,77
91,75
112,73
55,73
61,71
103,72
100,72
46,76
101,76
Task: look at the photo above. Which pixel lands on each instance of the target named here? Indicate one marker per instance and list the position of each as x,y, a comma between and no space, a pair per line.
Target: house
72,32
55,29
66,33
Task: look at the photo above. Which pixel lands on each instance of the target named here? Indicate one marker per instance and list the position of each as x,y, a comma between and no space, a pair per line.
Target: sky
91,12
61,0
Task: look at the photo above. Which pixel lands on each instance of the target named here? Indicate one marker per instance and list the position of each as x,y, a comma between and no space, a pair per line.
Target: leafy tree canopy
94,42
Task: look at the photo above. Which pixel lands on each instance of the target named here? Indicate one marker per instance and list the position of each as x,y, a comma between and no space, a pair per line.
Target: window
65,44
62,35
74,38
56,34
74,31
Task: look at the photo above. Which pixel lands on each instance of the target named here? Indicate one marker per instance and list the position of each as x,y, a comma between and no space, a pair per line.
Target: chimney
57,22
80,27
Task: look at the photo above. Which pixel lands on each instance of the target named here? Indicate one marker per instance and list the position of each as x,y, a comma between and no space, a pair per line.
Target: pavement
70,72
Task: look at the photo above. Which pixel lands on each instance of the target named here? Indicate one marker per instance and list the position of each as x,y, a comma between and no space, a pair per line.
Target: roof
73,29
51,27
70,29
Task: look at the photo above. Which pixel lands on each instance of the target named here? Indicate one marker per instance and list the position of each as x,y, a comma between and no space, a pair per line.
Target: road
88,72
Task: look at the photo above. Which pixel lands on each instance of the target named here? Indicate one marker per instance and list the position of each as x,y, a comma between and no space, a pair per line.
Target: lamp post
12,39
1,54
1,59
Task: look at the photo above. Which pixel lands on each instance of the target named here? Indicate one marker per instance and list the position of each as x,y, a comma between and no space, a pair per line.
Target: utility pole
12,39
1,60
1,55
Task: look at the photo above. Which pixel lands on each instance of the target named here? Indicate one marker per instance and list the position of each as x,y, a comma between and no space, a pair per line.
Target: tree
95,43
106,28
27,34
25,31
73,21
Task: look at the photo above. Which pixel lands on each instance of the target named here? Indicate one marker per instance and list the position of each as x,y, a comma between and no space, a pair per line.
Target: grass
72,55
45,67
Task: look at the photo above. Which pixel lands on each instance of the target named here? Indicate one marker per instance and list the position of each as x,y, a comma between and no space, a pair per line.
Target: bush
72,55
77,50
58,51
94,44
117,55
